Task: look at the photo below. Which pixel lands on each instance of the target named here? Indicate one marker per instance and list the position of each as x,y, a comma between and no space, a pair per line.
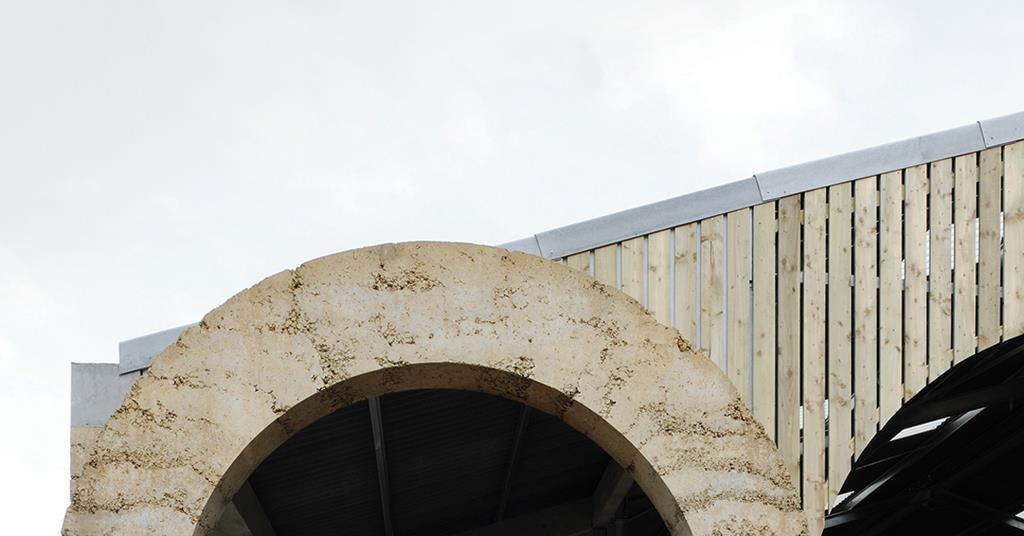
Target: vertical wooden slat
814,490
659,275
764,316
712,296
965,210
989,256
739,366
686,281
865,312
890,296
633,268
1013,240
606,265
789,334
840,336
579,261
940,282
915,301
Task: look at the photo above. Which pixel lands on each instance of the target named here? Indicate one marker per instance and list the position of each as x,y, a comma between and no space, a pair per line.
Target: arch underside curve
305,342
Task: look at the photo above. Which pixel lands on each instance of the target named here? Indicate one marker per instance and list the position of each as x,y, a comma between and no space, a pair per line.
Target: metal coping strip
771,185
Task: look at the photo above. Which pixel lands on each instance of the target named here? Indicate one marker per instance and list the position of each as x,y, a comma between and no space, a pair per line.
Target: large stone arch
305,342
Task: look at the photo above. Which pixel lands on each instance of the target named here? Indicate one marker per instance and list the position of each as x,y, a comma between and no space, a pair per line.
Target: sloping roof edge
770,185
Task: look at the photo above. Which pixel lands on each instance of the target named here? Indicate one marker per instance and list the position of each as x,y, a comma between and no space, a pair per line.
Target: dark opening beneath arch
439,462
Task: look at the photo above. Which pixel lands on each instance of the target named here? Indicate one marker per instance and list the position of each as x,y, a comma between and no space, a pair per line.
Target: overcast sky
157,157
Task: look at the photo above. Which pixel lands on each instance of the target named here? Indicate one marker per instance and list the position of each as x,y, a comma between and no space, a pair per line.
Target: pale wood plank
890,296
865,312
739,362
579,261
814,483
764,316
1013,240
989,255
915,293
965,210
789,333
633,268
659,275
712,296
687,284
940,280
840,336
606,261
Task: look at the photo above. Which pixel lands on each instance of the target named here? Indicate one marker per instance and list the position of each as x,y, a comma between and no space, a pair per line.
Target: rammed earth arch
305,342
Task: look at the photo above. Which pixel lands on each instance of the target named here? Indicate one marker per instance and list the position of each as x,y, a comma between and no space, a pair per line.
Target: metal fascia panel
868,162
525,245
1001,130
648,218
97,390
137,354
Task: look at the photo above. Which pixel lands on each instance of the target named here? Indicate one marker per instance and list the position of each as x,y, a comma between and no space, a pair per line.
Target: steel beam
244,516
382,464
610,492
513,461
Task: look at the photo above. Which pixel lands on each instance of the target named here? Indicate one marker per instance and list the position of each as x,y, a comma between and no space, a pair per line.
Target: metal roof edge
772,184
137,354
869,162
1002,130
644,219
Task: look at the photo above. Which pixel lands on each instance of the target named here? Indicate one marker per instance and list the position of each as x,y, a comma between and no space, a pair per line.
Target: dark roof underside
963,475
447,456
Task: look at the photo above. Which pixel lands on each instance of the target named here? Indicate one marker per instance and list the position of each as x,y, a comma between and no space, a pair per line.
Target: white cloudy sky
156,157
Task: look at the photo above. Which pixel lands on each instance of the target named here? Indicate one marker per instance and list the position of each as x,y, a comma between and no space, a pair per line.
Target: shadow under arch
448,376
269,361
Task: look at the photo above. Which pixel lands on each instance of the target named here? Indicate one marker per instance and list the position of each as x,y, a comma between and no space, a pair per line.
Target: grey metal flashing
1002,130
770,185
526,245
97,390
868,162
137,354
645,219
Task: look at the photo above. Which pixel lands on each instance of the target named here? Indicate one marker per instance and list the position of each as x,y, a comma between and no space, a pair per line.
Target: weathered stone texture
305,342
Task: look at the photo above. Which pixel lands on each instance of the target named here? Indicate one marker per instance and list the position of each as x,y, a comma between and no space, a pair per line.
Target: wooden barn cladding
831,307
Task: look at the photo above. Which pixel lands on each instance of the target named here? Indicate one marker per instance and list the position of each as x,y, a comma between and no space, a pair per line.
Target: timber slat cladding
788,358
1013,241
965,289
712,295
579,261
865,312
633,269
830,308
989,258
840,335
915,284
890,296
814,483
659,276
940,265
606,265
765,233
686,280
738,310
